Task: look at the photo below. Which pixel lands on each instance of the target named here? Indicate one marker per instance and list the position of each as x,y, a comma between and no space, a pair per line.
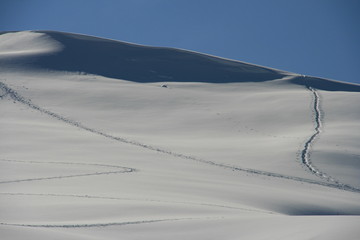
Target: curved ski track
18,98
305,153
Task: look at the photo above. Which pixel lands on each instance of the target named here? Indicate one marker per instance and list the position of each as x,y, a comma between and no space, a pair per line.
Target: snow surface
94,147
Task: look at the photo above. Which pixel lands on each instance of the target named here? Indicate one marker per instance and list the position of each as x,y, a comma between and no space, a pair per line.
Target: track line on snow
135,199
17,97
123,170
306,152
94,225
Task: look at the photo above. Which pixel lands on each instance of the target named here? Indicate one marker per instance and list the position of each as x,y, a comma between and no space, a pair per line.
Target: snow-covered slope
102,139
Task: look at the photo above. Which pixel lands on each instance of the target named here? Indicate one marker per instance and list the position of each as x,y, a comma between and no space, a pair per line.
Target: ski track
92,225
124,170
305,153
135,199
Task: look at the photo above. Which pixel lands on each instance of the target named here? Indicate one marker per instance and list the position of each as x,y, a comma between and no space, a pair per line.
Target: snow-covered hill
102,139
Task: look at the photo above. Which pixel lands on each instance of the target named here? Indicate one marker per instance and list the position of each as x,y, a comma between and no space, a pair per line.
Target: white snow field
102,139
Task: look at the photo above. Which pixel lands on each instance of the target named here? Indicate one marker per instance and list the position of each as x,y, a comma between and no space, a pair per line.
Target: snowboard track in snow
15,96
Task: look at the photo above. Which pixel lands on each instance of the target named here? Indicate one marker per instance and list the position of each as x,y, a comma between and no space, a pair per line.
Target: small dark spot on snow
164,86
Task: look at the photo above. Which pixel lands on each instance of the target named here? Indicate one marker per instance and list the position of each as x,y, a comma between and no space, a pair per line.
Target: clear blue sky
312,37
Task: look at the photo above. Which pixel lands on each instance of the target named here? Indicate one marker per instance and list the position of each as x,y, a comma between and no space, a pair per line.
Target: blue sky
312,37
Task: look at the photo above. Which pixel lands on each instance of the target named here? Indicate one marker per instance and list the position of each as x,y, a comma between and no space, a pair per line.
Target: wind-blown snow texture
104,139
